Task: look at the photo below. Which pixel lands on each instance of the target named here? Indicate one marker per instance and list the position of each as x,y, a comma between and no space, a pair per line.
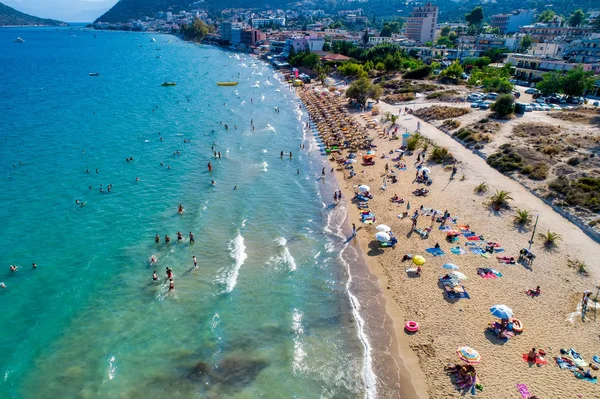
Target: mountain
11,17
125,10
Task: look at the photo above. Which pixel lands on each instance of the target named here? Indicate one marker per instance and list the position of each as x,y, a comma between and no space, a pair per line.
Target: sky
63,10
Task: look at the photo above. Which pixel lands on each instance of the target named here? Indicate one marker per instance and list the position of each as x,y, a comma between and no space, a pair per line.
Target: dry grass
399,98
535,130
451,124
582,115
440,112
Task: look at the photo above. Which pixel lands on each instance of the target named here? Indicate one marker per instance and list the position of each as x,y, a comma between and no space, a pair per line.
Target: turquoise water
267,312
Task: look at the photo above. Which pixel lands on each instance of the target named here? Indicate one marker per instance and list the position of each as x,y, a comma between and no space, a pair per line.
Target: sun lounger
436,251
456,292
477,251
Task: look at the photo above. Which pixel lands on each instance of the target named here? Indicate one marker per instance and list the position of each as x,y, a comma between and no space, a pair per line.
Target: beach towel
564,363
436,251
464,227
577,359
524,391
498,249
582,376
477,251
538,359
398,167
445,228
475,238
506,260
596,359
457,251
485,255
468,233
471,244
456,292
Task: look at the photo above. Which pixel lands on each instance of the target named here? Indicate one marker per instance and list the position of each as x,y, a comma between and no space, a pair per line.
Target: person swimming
180,208
192,237
154,276
33,265
171,284
2,285
169,272
153,260
179,236
167,239
157,238
213,183
13,268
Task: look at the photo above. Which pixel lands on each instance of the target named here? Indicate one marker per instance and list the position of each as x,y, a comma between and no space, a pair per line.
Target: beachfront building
550,49
303,43
420,25
543,32
585,50
510,23
531,68
226,30
271,22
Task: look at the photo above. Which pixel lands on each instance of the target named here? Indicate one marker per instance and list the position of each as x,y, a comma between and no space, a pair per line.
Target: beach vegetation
440,155
504,106
538,171
413,141
492,79
197,31
506,160
522,217
454,71
500,200
583,192
418,73
451,124
550,238
362,89
481,188
579,266
574,83
351,69
440,112
445,95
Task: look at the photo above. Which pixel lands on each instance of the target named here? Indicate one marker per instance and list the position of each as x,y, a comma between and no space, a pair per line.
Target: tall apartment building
510,23
420,26
226,30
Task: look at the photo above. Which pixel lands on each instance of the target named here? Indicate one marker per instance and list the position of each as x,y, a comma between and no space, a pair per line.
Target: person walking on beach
195,262
353,229
323,172
192,237
584,301
418,126
339,194
335,197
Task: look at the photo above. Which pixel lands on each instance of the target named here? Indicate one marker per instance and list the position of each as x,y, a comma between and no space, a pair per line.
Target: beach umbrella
457,275
419,260
501,311
362,188
382,236
351,161
468,354
370,152
426,170
383,227
450,266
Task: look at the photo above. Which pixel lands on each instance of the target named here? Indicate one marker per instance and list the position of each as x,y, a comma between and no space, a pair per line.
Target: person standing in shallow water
192,237
156,238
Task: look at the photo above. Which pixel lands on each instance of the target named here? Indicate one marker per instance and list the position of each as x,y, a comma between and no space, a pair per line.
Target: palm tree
393,118
522,217
481,188
551,238
500,200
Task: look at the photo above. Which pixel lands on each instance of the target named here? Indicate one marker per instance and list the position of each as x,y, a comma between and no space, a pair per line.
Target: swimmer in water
179,236
2,285
210,167
154,276
153,260
171,284
156,239
34,266
180,208
167,239
169,272
192,237
213,183
235,187
137,179
195,262
13,268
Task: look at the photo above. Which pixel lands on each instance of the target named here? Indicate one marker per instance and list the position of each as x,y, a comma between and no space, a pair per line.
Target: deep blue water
266,313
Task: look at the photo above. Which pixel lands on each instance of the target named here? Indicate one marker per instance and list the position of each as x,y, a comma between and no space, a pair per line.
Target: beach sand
446,324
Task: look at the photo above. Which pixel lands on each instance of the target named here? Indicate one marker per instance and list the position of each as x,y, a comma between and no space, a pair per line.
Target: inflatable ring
412,326
517,325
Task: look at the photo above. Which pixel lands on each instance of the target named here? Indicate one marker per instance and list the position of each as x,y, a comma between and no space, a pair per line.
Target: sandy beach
550,320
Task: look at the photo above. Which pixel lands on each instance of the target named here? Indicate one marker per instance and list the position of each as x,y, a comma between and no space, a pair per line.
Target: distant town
532,42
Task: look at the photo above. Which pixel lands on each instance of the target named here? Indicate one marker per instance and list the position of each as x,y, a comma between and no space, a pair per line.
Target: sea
269,312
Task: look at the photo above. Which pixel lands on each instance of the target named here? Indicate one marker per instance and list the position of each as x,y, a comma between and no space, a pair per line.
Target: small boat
94,74
153,40
169,84
227,83
19,40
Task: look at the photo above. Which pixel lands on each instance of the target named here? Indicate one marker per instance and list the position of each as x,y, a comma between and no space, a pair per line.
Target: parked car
491,96
541,100
475,104
546,107
596,103
516,94
531,91
555,107
535,106
528,108
474,97
485,105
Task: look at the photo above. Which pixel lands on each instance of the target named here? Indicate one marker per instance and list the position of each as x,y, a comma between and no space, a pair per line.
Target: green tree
475,17
577,18
546,16
445,31
504,106
577,81
389,28
453,36
311,61
444,41
525,43
197,31
362,89
496,54
495,31
551,83
327,46
453,71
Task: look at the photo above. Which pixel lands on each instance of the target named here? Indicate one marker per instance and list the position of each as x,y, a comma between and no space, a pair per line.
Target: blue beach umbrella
501,311
450,266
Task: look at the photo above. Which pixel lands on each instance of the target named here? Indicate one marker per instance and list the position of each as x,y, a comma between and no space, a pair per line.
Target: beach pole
537,216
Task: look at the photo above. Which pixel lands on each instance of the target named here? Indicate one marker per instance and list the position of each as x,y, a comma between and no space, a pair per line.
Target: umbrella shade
419,260
363,188
382,236
426,170
501,311
383,227
468,354
457,275
450,266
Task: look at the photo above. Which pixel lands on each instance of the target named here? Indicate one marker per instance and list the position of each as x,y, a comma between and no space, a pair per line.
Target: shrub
574,161
418,73
551,239
413,142
504,106
451,124
540,171
507,160
522,217
481,188
440,155
500,199
551,150
439,112
579,266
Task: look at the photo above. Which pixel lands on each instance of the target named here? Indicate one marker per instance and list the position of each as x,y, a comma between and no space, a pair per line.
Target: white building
260,22
302,43
420,26
510,23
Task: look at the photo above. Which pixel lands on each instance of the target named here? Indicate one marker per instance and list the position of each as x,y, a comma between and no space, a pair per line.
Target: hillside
11,17
452,11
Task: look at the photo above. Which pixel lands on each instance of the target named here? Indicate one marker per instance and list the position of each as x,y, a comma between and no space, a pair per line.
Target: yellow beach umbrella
419,260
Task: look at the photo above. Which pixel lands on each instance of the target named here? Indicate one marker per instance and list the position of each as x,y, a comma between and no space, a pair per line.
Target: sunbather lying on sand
534,293
509,260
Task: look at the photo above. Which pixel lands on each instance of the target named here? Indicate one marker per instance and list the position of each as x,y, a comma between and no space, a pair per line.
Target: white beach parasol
381,236
384,228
